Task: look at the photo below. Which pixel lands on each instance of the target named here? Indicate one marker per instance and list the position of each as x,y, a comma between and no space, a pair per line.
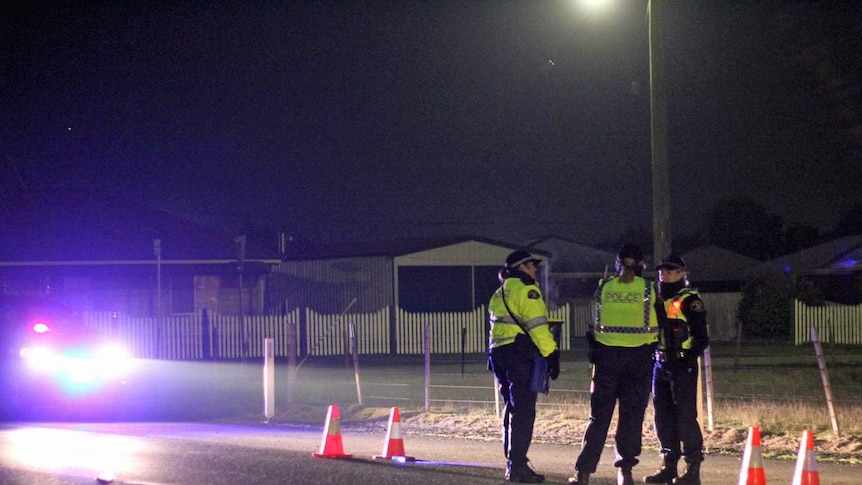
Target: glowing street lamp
658,122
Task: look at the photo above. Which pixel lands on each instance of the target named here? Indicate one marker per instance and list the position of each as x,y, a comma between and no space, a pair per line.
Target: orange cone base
399,457
332,456
755,476
396,458
807,478
332,448
395,449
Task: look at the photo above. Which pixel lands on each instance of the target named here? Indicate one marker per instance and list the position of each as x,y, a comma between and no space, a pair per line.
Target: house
105,252
835,267
714,269
443,274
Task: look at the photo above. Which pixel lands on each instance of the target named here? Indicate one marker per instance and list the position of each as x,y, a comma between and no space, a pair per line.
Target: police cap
520,257
674,261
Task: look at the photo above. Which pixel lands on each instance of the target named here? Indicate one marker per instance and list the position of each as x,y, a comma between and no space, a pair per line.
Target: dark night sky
356,120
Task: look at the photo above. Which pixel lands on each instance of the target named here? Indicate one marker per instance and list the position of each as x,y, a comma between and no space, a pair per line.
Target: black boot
691,475
523,474
665,474
582,478
624,477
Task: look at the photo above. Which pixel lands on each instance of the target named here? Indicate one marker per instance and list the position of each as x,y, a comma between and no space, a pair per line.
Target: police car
52,365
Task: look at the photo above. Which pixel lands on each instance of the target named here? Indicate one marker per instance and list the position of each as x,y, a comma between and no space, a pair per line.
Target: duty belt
662,356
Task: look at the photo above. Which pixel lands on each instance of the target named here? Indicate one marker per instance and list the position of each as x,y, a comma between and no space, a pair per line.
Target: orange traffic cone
393,446
806,462
332,446
752,462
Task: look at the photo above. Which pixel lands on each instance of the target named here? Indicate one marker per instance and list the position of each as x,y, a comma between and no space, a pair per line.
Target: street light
658,122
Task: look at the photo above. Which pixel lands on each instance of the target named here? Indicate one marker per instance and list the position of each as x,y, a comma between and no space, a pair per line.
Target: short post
427,369
354,349
707,376
291,360
268,378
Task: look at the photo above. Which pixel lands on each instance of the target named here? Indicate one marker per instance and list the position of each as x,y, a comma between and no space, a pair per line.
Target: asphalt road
216,454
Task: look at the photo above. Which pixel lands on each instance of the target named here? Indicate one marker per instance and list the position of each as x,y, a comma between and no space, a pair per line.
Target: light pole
658,124
658,133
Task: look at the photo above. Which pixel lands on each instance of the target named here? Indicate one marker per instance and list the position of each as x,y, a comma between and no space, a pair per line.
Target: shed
446,274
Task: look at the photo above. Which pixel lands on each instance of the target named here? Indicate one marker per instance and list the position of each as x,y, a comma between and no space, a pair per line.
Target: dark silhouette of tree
800,236
766,308
744,226
851,222
685,242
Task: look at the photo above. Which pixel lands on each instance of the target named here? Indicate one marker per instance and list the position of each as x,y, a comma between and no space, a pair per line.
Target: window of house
207,293
182,294
434,288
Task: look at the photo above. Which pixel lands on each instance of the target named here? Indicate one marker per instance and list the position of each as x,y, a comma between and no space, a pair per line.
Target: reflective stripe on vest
619,335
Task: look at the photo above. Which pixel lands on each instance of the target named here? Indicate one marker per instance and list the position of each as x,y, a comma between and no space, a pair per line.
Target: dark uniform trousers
621,374
512,366
675,403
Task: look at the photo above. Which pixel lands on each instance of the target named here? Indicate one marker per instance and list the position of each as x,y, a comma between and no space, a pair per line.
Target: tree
800,236
744,226
766,308
851,222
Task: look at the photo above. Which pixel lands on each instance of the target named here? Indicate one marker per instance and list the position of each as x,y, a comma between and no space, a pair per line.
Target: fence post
821,362
427,346
463,348
206,337
215,343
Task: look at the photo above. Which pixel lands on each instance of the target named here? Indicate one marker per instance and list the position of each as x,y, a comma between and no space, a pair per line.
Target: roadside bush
766,308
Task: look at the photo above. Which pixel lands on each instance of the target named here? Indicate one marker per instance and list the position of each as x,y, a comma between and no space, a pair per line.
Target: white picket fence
837,324
214,336
194,337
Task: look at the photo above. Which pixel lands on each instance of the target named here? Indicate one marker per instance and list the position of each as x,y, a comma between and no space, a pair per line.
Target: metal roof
840,256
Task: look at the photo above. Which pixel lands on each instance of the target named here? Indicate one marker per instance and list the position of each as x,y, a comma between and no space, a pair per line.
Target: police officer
621,339
682,339
519,322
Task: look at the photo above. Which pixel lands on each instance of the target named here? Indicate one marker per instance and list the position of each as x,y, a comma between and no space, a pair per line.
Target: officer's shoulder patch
533,295
697,306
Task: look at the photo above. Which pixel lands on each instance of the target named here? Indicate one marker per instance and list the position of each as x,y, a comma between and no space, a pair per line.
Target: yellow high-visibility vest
674,312
623,313
529,307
